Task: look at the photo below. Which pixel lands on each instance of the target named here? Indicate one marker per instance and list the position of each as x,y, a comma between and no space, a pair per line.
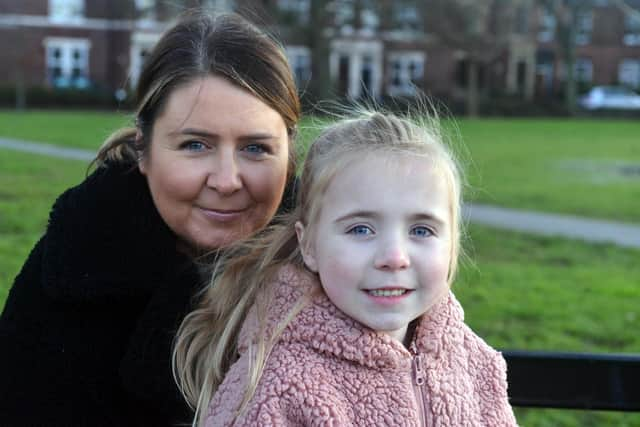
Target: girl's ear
307,252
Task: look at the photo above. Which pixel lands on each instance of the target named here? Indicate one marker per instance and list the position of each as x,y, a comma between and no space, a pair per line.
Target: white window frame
300,8
406,16
547,30
300,61
629,72
584,27
141,43
66,11
404,60
66,62
631,31
146,11
583,70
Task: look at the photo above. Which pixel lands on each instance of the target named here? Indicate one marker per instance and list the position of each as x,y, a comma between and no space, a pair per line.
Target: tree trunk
472,88
320,84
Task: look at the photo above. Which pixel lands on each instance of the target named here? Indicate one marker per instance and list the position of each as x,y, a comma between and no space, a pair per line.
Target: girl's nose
393,257
225,176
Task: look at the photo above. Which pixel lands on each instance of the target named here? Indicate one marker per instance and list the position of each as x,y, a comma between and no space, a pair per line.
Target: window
629,73
344,16
584,27
299,9
583,70
406,17
141,44
300,60
146,10
631,30
522,19
67,62
405,72
547,28
369,21
66,10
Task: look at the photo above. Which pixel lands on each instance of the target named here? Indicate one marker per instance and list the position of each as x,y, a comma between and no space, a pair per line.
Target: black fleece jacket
86,333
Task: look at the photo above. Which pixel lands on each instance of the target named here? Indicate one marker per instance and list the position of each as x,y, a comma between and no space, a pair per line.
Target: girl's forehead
396,162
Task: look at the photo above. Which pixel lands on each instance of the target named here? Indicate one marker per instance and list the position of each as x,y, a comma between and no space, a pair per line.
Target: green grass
539,293
78,129
581,167
524,292
574,166
29,184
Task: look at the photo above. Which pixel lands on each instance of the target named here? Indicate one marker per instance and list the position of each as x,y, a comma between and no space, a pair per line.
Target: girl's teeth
387,292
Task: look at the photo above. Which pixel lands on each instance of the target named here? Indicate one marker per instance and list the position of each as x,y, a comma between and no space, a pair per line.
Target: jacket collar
323,327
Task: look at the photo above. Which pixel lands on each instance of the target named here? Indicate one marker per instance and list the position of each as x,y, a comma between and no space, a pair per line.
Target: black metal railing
574,380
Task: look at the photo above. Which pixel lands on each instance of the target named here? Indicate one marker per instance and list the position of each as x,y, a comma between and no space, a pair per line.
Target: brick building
374,48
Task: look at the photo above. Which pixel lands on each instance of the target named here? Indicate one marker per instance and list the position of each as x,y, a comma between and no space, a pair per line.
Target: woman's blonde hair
207,342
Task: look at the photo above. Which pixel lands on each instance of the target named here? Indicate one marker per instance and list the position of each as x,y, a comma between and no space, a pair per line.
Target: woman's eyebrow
195,132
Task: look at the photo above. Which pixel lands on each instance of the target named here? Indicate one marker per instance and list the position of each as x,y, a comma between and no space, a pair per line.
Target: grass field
521,291
582,167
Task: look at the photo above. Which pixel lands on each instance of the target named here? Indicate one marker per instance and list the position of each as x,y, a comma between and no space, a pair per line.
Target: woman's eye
360,230
256,148
193,146
421,231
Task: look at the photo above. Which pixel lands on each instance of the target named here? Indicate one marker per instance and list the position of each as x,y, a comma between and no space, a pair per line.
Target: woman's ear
307,252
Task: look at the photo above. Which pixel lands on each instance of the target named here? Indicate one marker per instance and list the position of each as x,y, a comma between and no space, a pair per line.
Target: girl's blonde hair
207,342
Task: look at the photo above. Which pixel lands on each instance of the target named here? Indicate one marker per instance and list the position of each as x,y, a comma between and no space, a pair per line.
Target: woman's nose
393,256
225,176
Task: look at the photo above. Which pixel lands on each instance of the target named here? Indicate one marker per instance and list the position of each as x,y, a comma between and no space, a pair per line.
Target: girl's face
382,242
217,164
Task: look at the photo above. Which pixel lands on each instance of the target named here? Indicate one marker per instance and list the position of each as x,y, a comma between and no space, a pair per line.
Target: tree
568,14
479,28
320,85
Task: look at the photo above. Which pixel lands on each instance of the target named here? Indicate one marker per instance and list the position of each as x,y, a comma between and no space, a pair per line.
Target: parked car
610,98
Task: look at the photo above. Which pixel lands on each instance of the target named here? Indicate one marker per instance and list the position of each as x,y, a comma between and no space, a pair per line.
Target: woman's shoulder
103,235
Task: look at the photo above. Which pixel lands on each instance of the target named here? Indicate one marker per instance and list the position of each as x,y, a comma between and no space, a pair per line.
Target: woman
86,332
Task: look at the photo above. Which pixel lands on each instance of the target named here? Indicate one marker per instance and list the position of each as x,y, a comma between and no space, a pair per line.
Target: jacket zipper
419,378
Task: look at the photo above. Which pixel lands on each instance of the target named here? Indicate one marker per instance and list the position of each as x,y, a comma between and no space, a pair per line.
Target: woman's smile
224,215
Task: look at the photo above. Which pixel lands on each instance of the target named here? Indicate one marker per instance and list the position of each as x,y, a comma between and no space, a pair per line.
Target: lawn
29,184
519,291
578,166
539,293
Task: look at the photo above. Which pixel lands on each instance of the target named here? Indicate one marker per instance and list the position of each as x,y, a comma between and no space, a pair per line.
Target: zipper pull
418,370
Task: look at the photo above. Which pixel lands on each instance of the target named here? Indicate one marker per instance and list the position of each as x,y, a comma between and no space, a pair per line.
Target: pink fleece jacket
329,370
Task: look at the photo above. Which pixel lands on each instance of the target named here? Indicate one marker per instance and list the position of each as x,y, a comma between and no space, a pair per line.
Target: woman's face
217,163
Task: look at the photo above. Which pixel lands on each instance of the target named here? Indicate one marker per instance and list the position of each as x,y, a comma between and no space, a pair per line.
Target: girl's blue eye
360,230
421,231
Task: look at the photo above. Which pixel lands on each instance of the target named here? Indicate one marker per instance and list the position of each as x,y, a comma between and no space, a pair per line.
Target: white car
610,98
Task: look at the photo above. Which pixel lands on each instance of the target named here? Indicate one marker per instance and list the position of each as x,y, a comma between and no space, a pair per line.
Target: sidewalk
591,230
570,226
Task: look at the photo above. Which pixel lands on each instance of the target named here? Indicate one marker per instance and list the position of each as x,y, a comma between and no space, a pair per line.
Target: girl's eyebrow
357,214
365,214
427,216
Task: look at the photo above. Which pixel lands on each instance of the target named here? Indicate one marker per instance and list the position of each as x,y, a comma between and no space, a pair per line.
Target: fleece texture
326,369
87,329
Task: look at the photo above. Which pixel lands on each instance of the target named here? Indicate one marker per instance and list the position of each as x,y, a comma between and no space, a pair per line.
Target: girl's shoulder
289,285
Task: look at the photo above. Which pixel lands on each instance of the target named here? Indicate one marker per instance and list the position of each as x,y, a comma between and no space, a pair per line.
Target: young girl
349,319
